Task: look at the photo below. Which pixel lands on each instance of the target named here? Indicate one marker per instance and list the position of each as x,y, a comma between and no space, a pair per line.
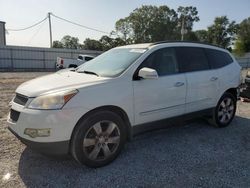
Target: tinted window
218,58
191,59
163,61
80,57
88,58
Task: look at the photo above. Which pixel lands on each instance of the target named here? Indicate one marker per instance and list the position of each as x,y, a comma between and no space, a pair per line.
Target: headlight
52,101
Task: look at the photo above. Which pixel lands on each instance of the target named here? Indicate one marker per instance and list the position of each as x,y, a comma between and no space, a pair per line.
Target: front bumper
49,148
60,123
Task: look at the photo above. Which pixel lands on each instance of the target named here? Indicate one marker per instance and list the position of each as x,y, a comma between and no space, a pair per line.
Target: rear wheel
98,139
224,111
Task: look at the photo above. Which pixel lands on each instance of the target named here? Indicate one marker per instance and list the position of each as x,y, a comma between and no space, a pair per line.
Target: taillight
61,61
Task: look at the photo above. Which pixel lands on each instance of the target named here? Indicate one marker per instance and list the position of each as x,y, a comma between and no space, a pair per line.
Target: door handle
178,84
213,78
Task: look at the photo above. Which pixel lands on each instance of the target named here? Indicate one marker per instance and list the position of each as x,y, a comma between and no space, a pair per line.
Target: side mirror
148,73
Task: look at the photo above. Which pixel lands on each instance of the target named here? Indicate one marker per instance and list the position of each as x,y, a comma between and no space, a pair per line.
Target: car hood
58,81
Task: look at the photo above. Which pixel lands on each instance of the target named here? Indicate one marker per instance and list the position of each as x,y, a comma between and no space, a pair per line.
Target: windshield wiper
88,72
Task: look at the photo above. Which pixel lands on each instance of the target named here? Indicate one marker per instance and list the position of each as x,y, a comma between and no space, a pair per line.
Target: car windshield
111,63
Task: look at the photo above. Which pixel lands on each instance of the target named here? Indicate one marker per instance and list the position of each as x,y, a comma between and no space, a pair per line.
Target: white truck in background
62,63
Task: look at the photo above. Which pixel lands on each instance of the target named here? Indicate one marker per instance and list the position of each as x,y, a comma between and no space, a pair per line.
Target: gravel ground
193,154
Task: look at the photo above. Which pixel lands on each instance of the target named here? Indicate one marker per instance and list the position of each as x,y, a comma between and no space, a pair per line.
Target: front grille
14,115
20,99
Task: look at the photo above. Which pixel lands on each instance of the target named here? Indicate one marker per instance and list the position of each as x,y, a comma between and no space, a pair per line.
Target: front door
160,98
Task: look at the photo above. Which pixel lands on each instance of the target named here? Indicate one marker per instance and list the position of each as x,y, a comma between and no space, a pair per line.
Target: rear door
202,81
220,61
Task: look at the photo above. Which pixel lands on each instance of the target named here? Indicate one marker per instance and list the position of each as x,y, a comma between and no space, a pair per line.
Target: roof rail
179,41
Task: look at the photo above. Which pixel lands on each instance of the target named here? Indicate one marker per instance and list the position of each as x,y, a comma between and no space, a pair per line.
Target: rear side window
88,58
191,59
218,59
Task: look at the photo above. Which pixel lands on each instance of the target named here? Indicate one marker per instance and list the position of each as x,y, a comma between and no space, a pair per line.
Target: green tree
243,39
191,36
108,42
239,48
57,44
189,15
91,44
148,24
186,18
118,42
151,23
222,32
123,28
202,35
70,42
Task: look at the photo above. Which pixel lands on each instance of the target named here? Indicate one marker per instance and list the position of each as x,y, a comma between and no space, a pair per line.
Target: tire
98,139
225,110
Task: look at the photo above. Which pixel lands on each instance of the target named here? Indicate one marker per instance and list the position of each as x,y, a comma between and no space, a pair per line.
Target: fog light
33,133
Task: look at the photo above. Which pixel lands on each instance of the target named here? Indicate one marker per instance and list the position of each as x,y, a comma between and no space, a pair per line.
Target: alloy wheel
226,110
101,141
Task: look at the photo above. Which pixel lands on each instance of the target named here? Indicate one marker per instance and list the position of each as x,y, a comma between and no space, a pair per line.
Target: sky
98,14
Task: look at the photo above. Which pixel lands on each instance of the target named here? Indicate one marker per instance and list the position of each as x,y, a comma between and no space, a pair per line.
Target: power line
29,26
83,26
48,17
37,31
66,20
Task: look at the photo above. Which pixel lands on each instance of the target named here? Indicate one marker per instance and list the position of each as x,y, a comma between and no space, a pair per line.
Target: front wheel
98,139
224,111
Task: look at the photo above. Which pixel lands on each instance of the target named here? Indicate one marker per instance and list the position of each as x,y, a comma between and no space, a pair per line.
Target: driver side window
163,61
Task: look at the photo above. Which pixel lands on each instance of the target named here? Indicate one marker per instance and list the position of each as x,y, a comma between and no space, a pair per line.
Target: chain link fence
244,62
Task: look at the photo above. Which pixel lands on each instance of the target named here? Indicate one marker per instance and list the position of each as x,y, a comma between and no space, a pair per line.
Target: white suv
93,110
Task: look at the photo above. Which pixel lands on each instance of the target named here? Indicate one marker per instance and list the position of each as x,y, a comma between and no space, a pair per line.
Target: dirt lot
187,155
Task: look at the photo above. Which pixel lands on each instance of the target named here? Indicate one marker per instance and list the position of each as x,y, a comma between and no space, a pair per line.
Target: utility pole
50,29
183,28
185,23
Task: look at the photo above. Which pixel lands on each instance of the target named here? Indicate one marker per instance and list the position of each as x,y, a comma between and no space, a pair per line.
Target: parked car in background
247,79
245,91
62,63
91,111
